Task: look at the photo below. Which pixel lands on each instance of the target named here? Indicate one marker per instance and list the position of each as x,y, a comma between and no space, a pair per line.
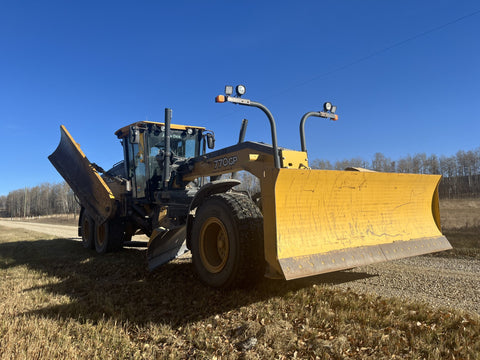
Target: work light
240,89
228,90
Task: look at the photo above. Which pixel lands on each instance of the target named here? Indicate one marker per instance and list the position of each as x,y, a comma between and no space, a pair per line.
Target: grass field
460,213
58,300
460,220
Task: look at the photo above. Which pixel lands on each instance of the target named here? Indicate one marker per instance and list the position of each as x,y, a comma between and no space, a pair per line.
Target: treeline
45,199
460,187
463,163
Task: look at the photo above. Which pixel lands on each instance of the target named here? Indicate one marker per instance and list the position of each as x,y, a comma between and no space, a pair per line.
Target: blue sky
96,66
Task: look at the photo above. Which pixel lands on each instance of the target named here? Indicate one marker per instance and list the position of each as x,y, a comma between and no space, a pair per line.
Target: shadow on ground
119,286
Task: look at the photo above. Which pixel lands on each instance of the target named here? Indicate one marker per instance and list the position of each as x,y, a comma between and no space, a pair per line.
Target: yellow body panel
320,220
351,209
255,162
292,159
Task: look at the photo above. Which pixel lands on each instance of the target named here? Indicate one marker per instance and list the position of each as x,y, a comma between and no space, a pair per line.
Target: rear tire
109,236
227,241
88,230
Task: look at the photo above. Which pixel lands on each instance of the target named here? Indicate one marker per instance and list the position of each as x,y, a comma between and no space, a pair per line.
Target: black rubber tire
87,225
237,260
109,236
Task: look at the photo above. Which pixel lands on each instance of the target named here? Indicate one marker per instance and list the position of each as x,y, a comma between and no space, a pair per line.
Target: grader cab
309,222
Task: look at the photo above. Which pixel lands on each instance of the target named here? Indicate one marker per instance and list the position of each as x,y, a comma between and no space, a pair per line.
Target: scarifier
305,221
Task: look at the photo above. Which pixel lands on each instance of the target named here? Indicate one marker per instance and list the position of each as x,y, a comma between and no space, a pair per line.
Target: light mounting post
240,90
328,113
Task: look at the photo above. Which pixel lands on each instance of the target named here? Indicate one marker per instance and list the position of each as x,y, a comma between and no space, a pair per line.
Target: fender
209,189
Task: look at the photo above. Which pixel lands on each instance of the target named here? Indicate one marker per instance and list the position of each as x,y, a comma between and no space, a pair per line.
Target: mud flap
86,183
319,221
166,245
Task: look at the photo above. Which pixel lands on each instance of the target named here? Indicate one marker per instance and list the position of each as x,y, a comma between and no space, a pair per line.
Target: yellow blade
319,221
86,183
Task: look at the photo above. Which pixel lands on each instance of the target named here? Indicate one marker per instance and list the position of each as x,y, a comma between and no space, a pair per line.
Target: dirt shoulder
62,231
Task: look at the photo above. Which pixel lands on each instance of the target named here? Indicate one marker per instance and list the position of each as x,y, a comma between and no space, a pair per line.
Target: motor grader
304,222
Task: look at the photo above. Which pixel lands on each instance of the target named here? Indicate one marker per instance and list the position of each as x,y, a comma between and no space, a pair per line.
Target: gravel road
440,282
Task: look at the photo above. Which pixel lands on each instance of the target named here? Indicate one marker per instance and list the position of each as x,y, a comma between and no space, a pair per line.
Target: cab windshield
183,143
145,158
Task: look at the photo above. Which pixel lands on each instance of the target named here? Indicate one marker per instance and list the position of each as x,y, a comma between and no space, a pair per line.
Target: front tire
227,241
88,230
109,236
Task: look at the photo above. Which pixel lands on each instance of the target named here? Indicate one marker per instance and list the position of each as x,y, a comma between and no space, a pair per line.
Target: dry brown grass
61,301
460,220
59,219
460,213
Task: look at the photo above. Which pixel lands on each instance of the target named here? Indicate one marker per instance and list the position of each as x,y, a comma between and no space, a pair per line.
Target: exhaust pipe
168,154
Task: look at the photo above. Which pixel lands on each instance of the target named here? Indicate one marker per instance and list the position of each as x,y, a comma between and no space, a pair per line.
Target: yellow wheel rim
214,245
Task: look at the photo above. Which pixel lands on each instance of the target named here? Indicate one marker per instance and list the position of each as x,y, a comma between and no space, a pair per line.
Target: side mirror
210,141
134,137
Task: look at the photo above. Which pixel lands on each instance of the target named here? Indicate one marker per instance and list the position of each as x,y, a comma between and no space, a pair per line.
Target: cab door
135,149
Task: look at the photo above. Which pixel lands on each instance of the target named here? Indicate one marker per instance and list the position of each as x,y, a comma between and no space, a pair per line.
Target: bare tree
249,183
405,165
382,163
321,164
3,206
448,166
44,199
432,165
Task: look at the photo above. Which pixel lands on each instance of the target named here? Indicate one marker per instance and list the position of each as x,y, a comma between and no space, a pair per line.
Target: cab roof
123,132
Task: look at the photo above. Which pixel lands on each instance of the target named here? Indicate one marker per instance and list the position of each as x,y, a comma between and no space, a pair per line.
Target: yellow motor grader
305,222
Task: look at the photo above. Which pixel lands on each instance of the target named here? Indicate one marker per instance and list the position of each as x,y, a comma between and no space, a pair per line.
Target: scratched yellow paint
318,211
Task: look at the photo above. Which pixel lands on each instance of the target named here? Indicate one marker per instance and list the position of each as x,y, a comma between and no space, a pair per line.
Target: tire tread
250,260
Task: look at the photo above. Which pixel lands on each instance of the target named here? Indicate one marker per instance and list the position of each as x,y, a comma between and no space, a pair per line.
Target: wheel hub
214,245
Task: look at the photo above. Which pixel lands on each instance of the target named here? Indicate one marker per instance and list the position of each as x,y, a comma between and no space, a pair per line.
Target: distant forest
461,179
45,199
